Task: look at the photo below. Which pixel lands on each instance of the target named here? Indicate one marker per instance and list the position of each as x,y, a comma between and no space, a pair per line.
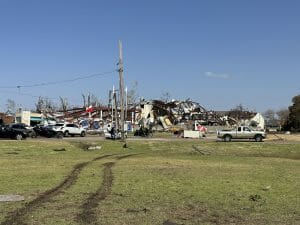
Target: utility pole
116,111
112,105
121,90
126,103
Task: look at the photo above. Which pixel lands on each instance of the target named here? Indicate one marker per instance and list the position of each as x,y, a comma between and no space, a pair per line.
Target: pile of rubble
177,116
153,115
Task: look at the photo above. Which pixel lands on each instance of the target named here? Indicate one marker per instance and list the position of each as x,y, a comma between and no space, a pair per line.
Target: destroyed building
174,115
148,115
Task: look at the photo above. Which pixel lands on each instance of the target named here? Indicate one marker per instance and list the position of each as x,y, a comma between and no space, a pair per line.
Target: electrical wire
27,94
59,82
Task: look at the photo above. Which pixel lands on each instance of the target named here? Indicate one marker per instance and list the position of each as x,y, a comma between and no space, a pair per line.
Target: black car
15,131
47,131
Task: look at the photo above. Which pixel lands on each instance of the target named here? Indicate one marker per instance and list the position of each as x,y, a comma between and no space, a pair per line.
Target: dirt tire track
18,216
88,214
125,156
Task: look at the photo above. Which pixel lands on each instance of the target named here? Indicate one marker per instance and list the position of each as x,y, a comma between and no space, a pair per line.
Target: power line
52,99
28,94
60,81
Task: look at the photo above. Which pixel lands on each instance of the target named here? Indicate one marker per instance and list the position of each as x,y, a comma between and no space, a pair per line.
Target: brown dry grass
283,137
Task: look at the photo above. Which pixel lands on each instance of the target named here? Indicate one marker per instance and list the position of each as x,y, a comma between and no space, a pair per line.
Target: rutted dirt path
88,214
18,216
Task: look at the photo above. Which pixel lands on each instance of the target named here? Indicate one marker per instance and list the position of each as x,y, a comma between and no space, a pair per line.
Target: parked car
16,131
48,131
69,129
241,132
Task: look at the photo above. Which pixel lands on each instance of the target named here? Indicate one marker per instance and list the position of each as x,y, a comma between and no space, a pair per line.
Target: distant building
29,118
6,119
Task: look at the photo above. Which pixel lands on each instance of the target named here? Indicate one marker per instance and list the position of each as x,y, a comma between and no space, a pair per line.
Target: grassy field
151,182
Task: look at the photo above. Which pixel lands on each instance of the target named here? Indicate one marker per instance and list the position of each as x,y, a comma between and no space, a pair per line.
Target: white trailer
192,134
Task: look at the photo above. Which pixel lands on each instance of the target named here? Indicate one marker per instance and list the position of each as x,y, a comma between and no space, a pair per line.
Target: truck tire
82,134
227,138
258,138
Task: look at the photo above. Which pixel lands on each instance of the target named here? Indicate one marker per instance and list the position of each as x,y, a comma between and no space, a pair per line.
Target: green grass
183,181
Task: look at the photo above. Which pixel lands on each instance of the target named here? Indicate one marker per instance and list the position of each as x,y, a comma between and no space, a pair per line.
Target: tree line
288,119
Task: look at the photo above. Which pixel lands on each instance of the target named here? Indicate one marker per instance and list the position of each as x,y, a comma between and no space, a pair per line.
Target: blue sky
218,53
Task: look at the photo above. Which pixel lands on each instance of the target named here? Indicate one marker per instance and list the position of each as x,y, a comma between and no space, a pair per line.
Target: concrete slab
11,198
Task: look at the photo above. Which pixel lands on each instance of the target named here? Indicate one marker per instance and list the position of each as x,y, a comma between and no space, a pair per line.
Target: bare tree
237,112
270,117
239,108
64,104
90,100
94,100
283,115
44,105
40,104
165,96
84,100
50,106
132,94
10,106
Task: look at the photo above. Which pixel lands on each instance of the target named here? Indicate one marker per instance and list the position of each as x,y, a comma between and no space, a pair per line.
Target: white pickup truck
241,132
